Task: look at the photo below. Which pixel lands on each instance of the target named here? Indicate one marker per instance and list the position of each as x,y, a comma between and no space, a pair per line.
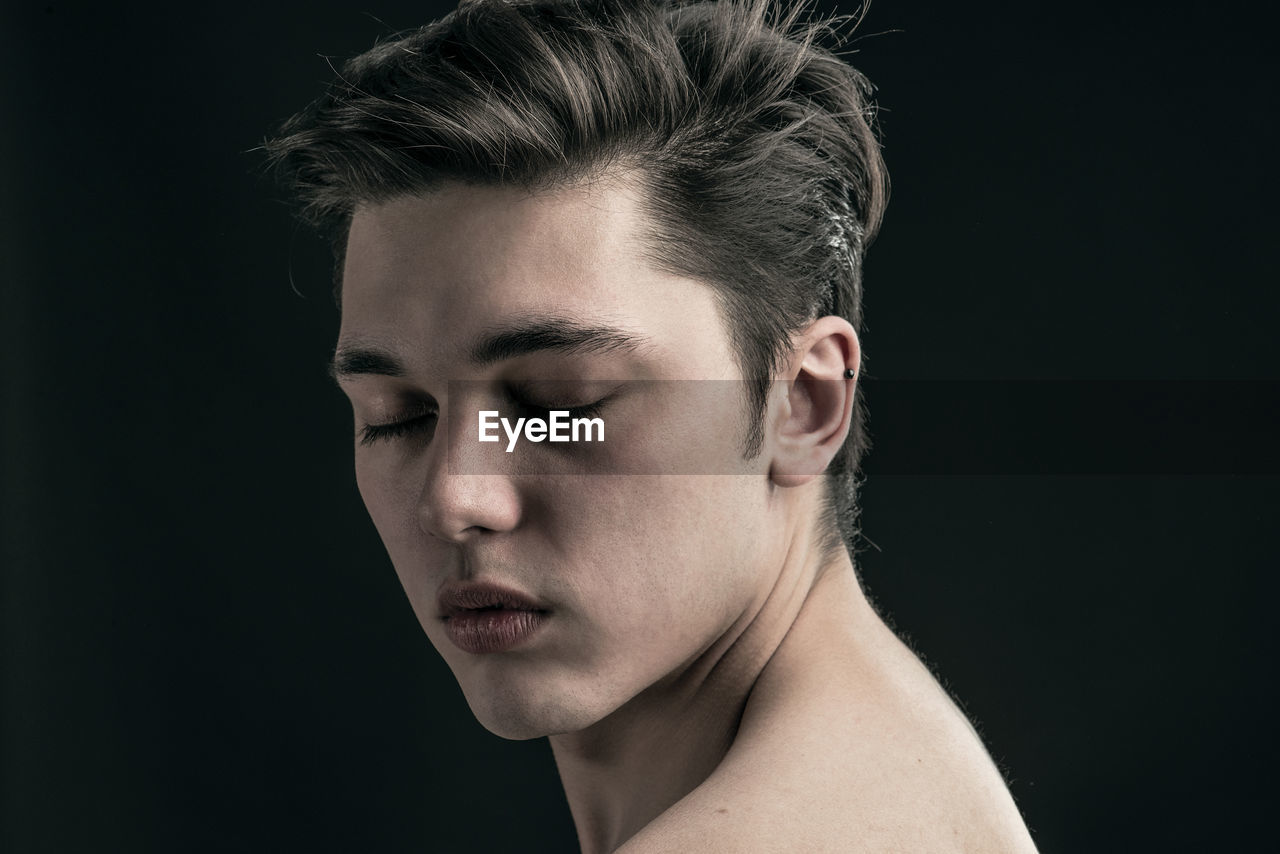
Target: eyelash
373,433
586,410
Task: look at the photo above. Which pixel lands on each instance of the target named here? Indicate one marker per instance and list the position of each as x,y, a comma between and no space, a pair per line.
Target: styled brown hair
754,145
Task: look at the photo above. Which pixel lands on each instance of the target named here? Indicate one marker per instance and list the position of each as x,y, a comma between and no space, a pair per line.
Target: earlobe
817,409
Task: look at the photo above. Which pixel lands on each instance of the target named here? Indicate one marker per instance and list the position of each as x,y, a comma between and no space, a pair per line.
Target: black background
205,647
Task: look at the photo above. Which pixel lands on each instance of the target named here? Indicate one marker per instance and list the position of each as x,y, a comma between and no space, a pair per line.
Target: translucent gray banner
1037,427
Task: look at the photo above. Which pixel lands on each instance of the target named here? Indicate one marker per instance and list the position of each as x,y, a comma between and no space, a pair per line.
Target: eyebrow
362,360
559,334
529,335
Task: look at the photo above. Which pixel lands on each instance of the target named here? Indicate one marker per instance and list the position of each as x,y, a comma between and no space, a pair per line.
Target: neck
624,771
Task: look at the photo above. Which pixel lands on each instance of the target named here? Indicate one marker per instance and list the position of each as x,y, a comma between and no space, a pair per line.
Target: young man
651,215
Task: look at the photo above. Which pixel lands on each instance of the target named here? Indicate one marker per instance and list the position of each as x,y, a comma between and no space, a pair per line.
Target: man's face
635,574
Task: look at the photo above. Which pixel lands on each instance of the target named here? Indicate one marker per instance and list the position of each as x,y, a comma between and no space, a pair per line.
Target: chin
519,714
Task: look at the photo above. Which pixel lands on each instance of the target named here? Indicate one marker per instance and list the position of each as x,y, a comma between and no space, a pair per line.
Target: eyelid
521,395
408,422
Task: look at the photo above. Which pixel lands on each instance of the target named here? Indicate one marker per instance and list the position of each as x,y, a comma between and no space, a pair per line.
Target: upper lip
460,597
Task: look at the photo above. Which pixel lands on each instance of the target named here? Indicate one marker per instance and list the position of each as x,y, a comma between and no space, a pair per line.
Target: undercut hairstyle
753,144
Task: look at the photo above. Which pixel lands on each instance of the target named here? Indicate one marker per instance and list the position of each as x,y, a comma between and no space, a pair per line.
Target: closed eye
424,423
531,408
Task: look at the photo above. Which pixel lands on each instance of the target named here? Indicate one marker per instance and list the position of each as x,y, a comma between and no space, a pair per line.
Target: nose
460,507
457,505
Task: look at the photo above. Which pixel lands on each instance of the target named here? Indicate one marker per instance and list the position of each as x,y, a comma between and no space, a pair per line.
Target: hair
755,148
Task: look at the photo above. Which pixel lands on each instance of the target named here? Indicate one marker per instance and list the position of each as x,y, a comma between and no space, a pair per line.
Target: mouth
482,618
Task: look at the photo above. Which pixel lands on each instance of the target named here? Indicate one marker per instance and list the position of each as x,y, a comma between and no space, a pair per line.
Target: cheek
391,499
388,494
682,427
376,492
660,560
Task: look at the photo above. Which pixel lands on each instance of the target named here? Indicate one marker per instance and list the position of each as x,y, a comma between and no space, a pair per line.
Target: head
650,190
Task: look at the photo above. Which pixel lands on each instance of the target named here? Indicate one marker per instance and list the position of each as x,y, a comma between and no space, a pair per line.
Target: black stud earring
850,373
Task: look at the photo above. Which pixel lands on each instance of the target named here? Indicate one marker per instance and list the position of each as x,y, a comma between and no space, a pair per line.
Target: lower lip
496,630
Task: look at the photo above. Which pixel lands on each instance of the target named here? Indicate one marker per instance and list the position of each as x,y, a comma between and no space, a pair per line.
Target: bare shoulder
860,752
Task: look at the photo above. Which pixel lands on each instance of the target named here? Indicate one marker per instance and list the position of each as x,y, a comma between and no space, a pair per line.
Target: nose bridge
459,498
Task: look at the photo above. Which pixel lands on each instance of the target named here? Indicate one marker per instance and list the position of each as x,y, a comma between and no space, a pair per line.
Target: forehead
426,274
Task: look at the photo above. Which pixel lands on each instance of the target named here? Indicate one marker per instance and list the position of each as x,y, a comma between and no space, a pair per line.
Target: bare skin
708,678
810,728
845,743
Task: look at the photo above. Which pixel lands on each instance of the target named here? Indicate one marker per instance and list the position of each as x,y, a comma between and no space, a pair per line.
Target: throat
618,778
627,769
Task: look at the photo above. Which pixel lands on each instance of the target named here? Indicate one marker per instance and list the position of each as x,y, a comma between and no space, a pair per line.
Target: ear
816,407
